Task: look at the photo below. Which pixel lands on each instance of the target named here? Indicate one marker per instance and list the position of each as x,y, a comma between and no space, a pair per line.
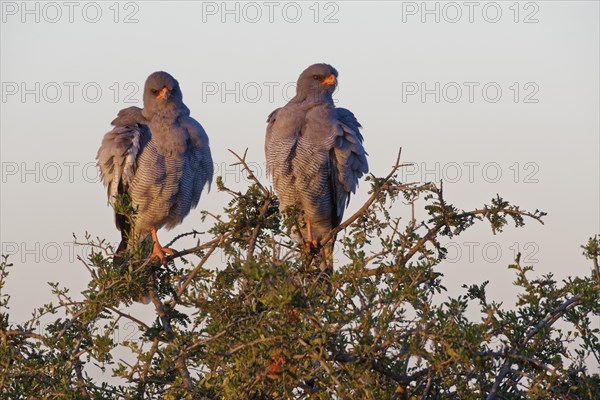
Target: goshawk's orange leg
311,242
159,251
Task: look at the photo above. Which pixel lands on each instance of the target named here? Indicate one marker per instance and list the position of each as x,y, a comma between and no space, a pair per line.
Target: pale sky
492,97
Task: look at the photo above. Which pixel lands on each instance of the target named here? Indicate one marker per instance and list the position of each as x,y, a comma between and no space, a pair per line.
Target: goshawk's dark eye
316,77
154,91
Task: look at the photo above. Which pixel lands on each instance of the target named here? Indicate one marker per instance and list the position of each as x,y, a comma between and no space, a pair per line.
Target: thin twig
176,238
128,316
205,245
252,343
190,277
501,210
251,175
331,235
255,232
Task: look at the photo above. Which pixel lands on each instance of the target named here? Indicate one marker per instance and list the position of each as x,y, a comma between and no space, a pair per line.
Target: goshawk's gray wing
199,169
118,154
348,161
268,137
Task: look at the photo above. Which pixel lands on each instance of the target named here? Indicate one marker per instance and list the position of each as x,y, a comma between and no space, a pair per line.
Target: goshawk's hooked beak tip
330,80
164,94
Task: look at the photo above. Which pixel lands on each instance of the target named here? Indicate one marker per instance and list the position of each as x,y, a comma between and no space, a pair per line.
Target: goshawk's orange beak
330,80
163,94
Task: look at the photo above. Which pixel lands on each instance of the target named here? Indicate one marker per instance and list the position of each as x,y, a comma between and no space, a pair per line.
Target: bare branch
550,318
166,325
25,334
